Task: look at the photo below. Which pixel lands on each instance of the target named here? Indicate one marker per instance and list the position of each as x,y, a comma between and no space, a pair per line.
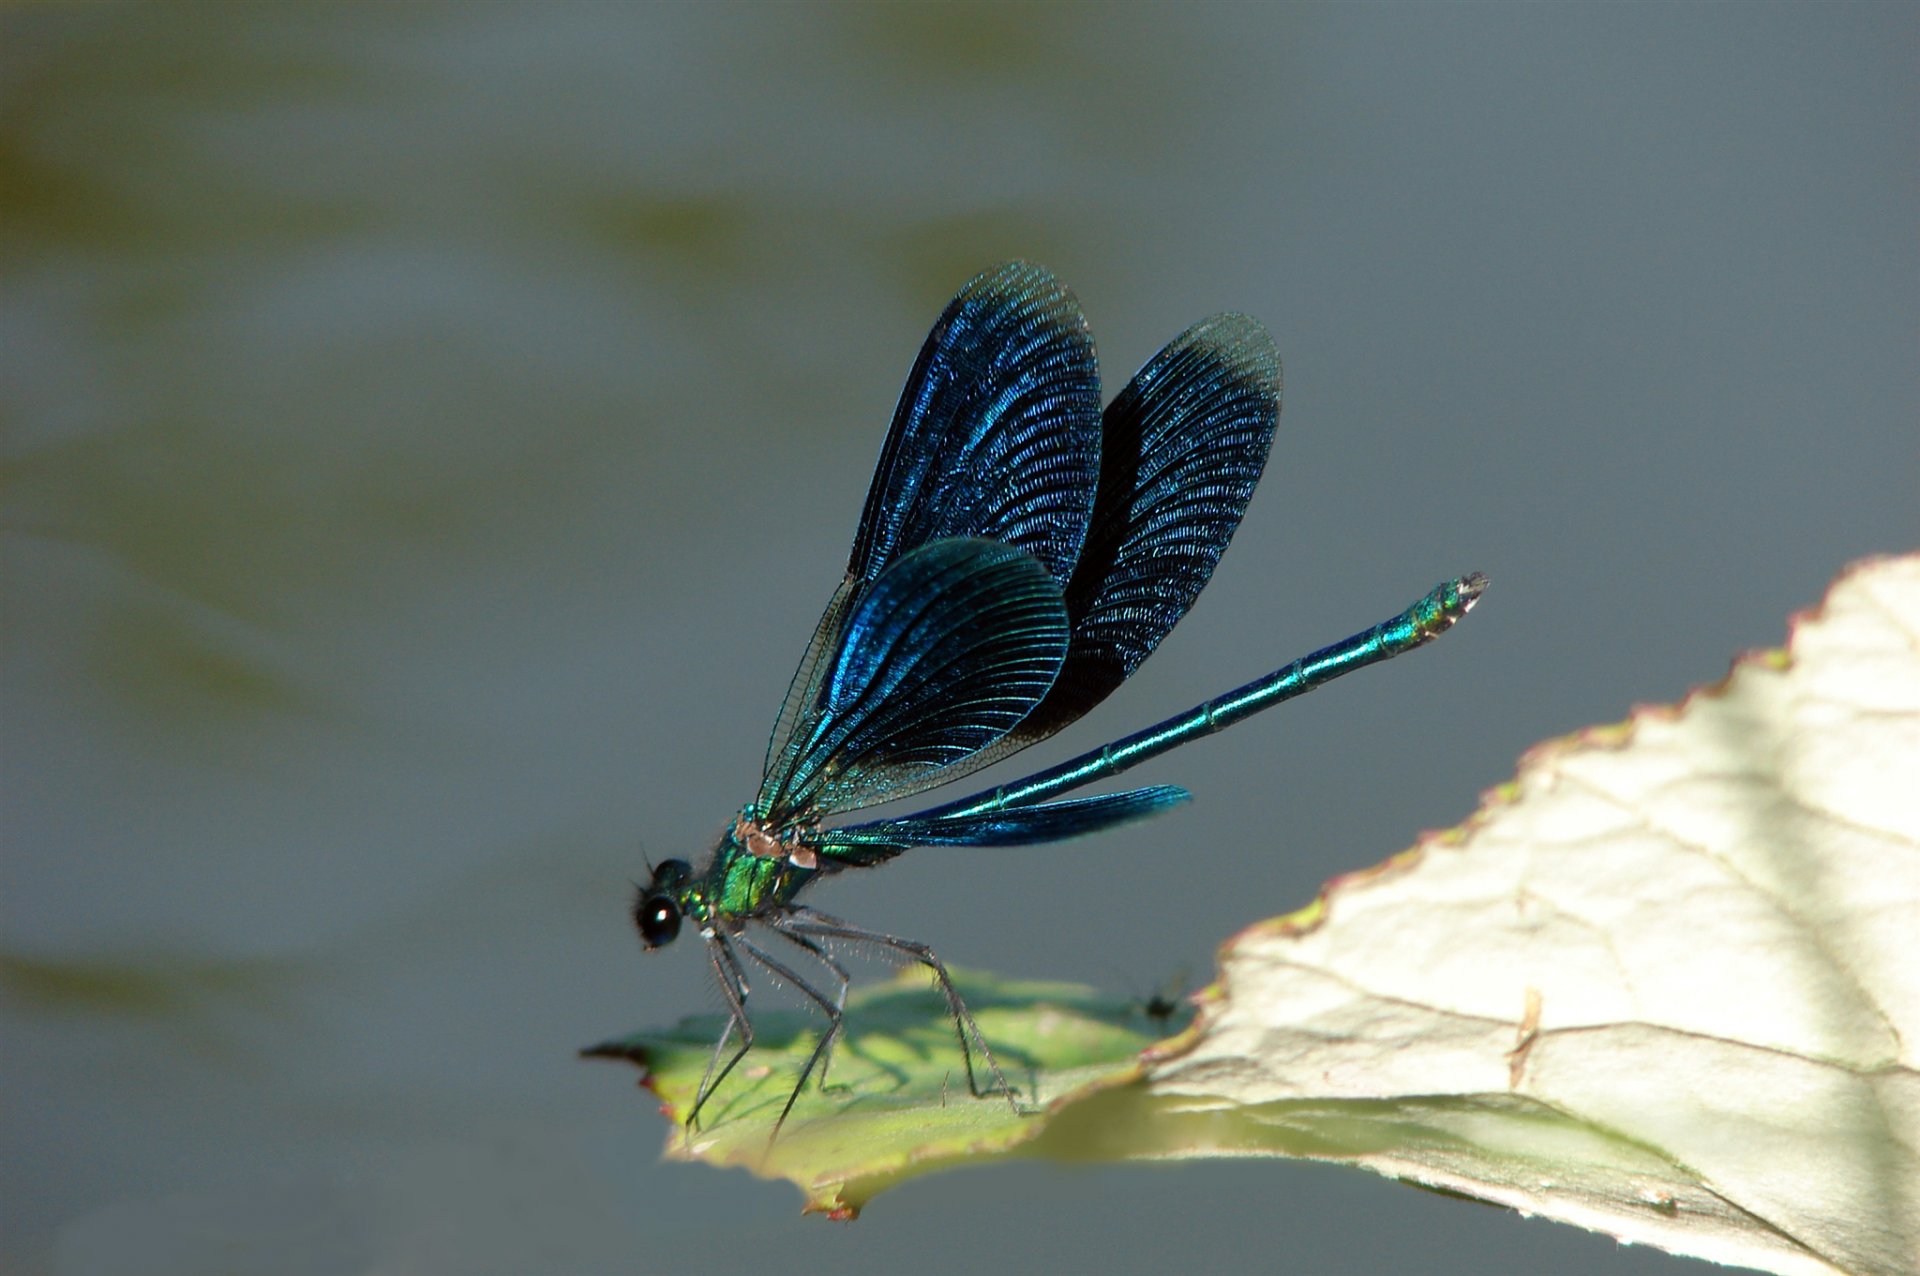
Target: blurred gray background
431,433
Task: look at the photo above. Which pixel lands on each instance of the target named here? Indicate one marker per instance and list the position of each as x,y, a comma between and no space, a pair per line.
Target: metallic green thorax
749,873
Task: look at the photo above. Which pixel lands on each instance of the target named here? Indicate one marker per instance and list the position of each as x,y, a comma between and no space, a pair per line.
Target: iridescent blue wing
1184,447
997,435
941,656
857,845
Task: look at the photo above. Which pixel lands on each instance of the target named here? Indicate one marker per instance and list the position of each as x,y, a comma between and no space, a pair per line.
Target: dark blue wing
938,658
997,433
861,844
1184,447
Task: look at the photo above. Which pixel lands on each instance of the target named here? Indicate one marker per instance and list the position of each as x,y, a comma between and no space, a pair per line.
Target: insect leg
834,1021
775,924
811,922
733,986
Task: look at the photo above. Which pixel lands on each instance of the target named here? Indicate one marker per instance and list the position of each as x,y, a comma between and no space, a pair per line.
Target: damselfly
1021,552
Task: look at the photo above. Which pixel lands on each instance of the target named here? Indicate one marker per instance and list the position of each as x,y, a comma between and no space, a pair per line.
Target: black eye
658,919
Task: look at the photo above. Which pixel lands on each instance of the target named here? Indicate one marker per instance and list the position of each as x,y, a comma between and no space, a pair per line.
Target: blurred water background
431,431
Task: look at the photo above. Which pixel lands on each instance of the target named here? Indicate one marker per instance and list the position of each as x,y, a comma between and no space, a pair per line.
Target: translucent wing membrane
997,433
948,650
806,679
861,844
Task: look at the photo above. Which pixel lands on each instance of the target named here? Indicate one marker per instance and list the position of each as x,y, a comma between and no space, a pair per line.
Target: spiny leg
834,1021
776,924
811,922
733,986
826,959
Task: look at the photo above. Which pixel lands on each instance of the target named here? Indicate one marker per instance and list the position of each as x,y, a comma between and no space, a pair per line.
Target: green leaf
896,1103
1665,985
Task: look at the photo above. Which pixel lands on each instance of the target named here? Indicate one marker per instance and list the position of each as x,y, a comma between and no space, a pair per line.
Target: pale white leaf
1665,985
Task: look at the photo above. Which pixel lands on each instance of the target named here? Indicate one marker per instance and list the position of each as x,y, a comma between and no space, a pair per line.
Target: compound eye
658,919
